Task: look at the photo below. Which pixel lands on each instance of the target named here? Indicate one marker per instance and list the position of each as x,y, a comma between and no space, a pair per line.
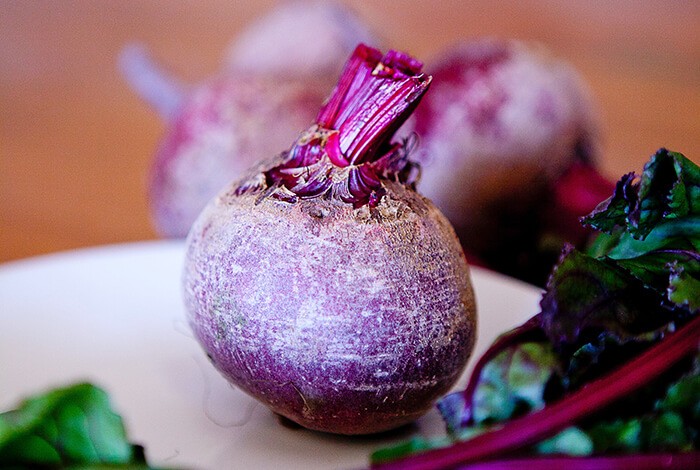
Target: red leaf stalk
542,424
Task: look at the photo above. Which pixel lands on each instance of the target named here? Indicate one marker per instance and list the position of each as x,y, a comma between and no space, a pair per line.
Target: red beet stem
377,101
557,416
677,461
373,98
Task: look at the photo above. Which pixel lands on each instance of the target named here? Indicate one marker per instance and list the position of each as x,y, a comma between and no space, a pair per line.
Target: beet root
216,130
350,321
223,127
503,122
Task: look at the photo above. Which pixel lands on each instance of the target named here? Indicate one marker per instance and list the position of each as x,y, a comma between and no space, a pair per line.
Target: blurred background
76,143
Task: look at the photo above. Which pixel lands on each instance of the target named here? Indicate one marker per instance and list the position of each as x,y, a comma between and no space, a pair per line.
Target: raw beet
299,38
223,127
275,77
323,284
504,120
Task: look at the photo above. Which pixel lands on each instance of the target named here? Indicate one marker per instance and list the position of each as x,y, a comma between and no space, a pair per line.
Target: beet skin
343,320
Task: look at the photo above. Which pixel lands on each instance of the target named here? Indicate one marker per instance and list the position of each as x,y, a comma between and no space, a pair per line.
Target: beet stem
348,151
557,416
677,461
373,97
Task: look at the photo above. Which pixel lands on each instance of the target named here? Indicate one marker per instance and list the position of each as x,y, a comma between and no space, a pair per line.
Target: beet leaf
668,188
605,316
584,293
69,426
522,432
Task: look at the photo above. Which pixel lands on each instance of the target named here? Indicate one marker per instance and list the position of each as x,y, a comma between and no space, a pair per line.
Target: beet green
608,317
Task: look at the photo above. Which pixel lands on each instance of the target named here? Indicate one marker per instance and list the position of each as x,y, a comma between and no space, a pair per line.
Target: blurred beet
275,77
299,38
503,122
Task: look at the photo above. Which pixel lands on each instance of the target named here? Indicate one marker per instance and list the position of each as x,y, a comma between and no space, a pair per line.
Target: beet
322,284
224,126
274,78
299,38
504,120
216,130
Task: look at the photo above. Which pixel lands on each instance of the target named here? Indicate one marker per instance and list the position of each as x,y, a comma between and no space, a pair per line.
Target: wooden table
76,143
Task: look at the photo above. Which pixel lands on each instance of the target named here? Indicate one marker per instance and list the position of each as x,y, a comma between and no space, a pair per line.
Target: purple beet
299,38
322,284
504,120
275,77
216,130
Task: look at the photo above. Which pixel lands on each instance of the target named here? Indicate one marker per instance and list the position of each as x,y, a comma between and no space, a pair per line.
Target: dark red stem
678,461
542,424
349,150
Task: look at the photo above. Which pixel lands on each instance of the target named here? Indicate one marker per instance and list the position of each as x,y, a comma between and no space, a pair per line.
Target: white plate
113,316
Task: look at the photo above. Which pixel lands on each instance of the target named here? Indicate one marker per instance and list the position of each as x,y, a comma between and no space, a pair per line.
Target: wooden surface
76,143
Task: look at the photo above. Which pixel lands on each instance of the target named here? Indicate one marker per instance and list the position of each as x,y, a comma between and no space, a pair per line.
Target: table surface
76,143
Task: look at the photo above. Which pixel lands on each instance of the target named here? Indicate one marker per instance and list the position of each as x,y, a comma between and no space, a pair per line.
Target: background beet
77,143
299,38
503,122
274,78
224,126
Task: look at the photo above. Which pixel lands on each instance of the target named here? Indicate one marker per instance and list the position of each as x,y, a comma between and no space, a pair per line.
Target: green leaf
612,213
684,287
666,432
513,382
683,397
603,243
678,234
570,441
615,436
656,268
669,188
66,426
584,293
670,426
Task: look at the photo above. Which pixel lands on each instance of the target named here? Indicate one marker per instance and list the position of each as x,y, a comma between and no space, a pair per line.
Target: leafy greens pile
608,373
72,427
